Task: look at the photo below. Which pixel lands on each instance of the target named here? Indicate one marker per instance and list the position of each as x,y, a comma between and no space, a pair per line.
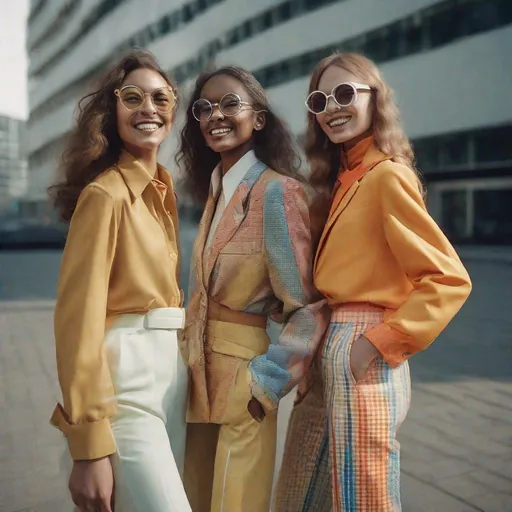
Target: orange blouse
381,246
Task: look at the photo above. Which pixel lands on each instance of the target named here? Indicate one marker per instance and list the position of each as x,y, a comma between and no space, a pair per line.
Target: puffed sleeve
289,248
440,282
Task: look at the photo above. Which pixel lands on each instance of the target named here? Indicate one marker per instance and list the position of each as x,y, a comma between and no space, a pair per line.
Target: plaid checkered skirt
341,452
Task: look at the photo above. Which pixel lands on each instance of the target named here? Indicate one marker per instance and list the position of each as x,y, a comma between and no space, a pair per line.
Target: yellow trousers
229,466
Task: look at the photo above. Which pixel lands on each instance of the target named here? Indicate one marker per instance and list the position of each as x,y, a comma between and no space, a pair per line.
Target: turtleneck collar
352,157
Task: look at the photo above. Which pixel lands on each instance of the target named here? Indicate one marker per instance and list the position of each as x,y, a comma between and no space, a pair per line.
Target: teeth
218,131
147,127
339,121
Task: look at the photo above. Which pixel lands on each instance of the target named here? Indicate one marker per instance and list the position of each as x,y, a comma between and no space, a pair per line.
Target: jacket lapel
201,237
231,219
336,211
340,203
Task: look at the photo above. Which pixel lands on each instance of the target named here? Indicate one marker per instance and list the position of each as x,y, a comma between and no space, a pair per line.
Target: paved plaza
456,441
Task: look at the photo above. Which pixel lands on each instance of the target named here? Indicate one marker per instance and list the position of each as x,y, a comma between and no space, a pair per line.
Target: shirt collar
233,177
136,176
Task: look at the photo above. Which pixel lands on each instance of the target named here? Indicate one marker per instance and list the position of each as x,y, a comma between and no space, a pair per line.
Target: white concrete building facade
447,61
13,165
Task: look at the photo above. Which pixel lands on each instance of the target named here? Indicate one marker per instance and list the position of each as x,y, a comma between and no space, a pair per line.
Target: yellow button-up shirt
121,256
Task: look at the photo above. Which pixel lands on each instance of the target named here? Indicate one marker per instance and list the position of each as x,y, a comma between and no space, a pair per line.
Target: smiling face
344,124
229,134
146,127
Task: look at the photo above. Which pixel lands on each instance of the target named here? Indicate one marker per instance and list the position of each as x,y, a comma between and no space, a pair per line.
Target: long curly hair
94,144
273,145
388,134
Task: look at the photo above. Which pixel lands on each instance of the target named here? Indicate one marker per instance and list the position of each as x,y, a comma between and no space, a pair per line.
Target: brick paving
456,441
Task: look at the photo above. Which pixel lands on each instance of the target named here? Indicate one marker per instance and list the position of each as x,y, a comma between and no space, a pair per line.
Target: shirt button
173,256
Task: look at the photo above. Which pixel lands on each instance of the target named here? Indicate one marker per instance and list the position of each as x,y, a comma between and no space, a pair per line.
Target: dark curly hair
94,144
273,145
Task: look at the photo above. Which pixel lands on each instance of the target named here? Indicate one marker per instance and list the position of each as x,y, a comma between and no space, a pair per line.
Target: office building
447,61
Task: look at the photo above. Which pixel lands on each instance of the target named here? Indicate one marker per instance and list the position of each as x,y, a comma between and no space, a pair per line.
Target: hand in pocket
256,409
362,354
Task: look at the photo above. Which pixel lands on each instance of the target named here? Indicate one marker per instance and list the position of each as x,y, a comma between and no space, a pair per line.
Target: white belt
160,318
165,318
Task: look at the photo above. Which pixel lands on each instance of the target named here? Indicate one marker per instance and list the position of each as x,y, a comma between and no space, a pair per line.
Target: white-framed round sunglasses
344,95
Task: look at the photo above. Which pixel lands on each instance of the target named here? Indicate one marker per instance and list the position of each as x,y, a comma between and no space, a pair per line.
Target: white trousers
150,382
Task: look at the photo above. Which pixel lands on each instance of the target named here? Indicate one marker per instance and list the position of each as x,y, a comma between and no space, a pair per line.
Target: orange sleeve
440,281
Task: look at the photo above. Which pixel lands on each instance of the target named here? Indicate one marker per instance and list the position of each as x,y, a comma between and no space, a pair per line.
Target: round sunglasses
229,105
344,95
133,97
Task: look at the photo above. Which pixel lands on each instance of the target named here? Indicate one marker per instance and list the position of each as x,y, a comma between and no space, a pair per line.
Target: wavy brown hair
388,134
94,144
273,145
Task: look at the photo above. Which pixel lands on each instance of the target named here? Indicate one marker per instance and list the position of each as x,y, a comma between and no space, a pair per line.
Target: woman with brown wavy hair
252,259
119,305
393,282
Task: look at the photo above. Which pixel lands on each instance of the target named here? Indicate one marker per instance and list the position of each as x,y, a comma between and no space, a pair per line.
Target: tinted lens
344,94
163,99
230,105
317,102
131,97
202,110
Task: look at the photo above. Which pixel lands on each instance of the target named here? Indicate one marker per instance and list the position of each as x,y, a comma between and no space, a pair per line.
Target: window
232,38
284,12
477,17
383,43
465,151
246,30
427,154
37,10
442,24
164,25
494,145
267,21
493,216
309,5
188,13
412,35
453,215
454,150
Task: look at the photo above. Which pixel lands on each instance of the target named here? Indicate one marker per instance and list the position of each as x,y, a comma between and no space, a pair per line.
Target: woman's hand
362,354
256,409
91,485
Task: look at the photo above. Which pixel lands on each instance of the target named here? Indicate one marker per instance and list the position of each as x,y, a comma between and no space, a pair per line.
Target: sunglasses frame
355,87
118,92
213,105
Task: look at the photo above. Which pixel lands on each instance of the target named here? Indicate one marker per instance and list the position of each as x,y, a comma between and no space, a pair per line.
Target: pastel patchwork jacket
261,261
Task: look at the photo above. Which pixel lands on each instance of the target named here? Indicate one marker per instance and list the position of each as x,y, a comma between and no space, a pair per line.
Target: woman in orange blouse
119,305
393,282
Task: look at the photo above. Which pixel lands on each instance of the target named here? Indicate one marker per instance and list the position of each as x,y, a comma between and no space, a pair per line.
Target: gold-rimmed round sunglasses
133,97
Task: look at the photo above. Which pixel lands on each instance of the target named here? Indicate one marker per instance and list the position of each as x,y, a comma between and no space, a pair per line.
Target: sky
13,82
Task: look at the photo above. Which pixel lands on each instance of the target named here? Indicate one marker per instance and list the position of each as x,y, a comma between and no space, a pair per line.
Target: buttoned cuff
268,403
86,441
394,345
